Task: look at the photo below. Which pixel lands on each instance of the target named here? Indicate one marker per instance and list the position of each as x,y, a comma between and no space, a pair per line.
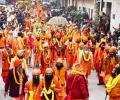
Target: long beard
59,65
36,81
48,78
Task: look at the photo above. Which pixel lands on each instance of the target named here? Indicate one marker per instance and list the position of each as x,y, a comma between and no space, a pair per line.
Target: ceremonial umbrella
58,21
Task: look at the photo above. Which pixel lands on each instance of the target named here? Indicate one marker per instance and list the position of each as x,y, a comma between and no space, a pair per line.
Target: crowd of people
61,59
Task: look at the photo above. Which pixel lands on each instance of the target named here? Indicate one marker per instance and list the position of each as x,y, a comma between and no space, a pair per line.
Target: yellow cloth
77,72
20,43
31,95
112,82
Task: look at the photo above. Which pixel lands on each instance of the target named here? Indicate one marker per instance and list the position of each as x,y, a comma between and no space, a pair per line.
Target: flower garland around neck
49,91
77,72
89,56
33,92
20,77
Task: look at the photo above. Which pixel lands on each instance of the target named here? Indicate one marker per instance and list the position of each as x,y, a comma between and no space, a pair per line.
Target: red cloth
30,42
79,89
17,63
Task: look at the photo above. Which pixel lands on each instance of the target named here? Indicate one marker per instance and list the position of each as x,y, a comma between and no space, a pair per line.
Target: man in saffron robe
98,60
58,46
113,84
5,65
20,55
60,72
30,47
51,86
33,87
16,81
11,41
69,52
86,61
20,42
7,56
45,58
77,48
76,85
2,45
110,62
38,51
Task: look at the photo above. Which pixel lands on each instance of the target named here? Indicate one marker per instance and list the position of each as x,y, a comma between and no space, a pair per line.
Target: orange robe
51,43
2,42
2,46
109,64
98,56
115,92
5,66
11,43
37,90
38,53
61,75
76,51
87,65
57,49
57,87
46,60
98,63
20,43
69,55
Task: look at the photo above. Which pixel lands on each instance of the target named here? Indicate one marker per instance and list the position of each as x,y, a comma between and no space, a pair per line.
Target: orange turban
36,72
113,49
17,63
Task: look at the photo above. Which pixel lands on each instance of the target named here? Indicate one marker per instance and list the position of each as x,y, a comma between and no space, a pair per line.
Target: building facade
87,5
111,8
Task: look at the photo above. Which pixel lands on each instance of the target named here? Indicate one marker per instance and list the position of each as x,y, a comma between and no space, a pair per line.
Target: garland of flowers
45,91
86,59
77,72
20,78
34,93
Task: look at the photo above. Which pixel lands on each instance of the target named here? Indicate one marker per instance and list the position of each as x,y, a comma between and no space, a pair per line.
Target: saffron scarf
112,82
31,95
77,72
